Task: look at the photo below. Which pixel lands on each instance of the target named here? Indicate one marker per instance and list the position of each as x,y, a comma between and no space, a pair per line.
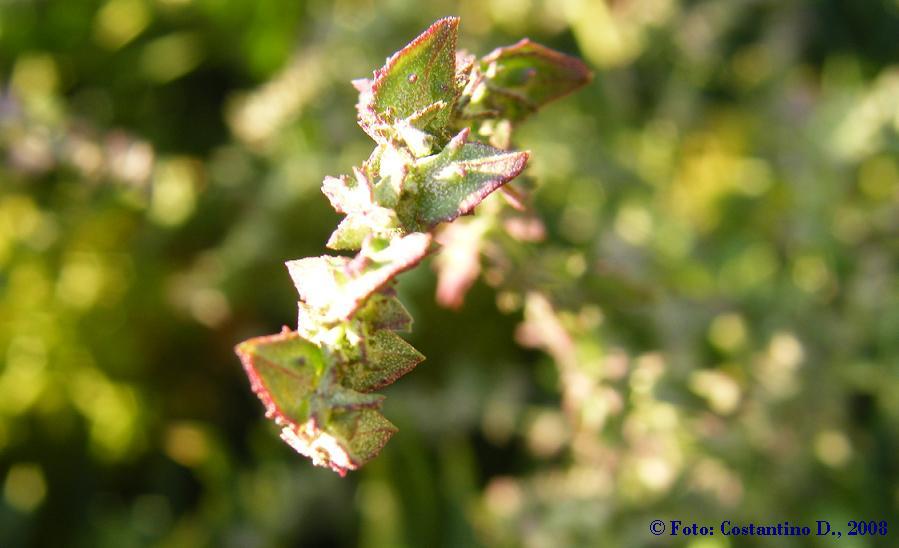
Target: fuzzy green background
722,215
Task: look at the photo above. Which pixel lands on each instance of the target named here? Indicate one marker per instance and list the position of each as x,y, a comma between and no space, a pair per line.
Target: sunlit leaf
384,311
413,79
362,433
457,179
525,76
284,371
356,227
348,194
387,357
351,439
334,425
337,286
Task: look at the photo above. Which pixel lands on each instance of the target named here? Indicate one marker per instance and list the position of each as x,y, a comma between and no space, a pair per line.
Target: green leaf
350,233
284,371
387,357
384,311
337,286
457,179
363,433
525,76
349,440
413,79
334,425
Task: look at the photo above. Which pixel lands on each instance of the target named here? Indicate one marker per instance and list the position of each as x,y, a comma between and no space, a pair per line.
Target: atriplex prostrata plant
428,109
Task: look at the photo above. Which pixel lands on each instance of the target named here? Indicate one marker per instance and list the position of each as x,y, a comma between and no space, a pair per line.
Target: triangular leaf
384,311
337,286
284,370
414,78
333,425
364,433
457,179
351,439
525,76
387,357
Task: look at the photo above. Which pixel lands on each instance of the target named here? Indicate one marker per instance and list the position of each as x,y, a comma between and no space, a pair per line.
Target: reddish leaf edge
450,24
307,438
518,49
369,119
342,438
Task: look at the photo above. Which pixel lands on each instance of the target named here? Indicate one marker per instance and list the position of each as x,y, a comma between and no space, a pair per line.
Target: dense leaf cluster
429,109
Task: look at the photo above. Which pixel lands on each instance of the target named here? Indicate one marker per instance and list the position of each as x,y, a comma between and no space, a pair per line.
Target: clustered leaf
428,167
416,87
521,78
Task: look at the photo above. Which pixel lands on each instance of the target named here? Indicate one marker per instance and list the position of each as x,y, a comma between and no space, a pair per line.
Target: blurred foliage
708,331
